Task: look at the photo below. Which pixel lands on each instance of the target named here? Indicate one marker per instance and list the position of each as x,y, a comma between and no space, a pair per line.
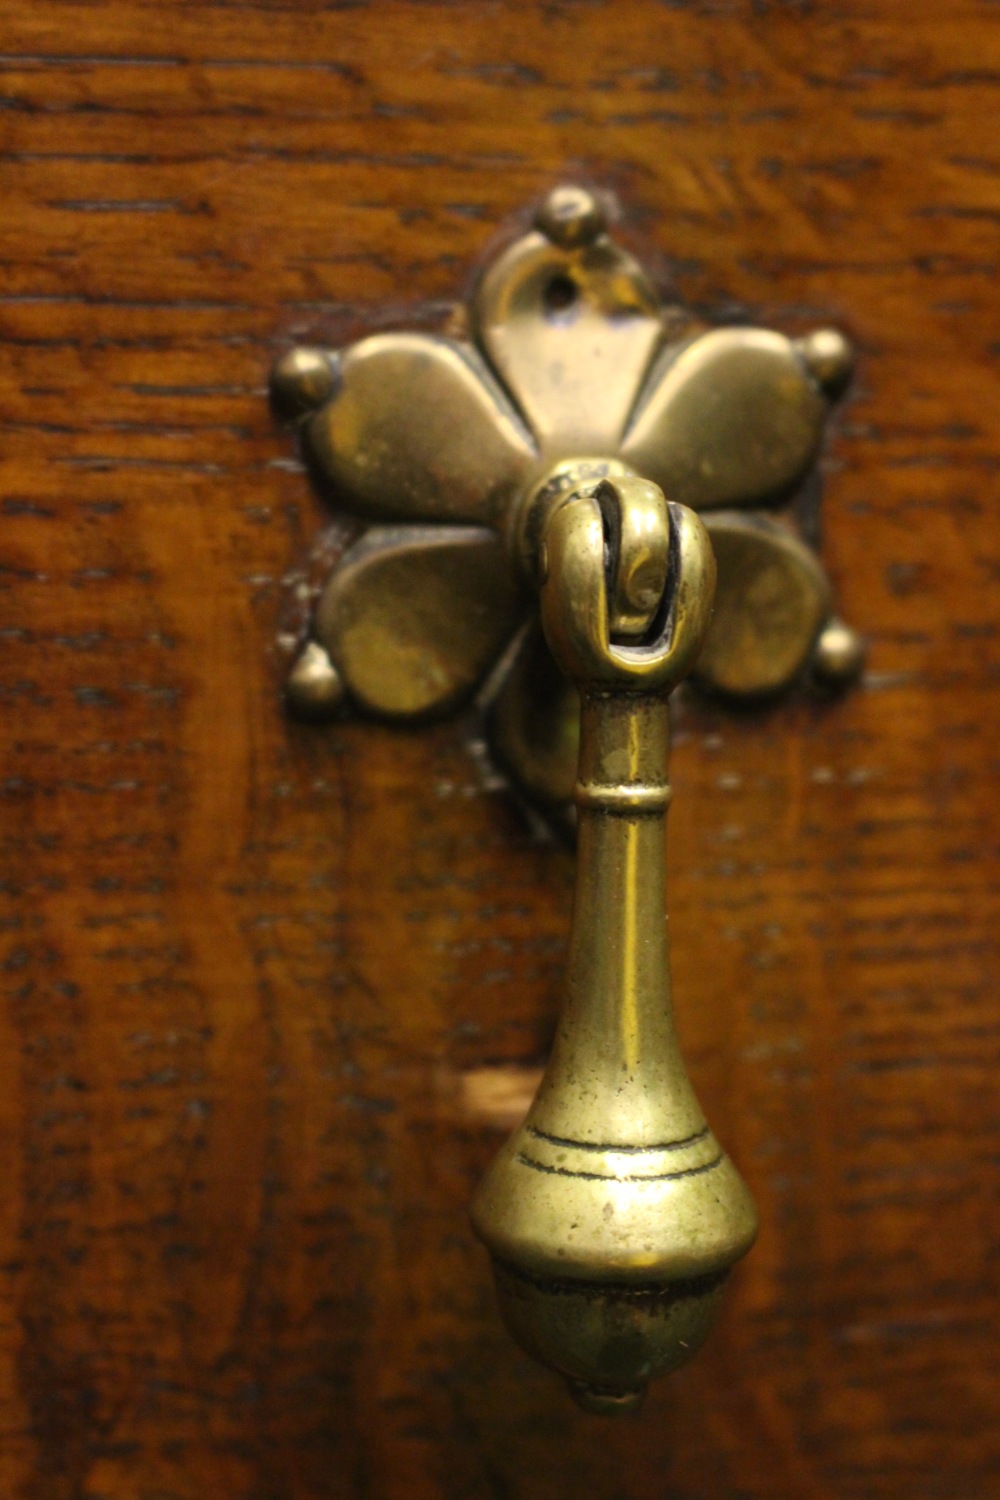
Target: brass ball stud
839,655
303,379
829,357
571,217
314,688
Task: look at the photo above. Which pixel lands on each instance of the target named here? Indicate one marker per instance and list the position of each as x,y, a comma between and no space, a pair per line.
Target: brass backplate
450,454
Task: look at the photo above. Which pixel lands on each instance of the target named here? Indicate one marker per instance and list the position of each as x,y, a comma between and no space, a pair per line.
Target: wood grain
256,976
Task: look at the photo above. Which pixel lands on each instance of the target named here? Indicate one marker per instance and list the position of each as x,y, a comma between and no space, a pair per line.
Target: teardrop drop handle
612,1214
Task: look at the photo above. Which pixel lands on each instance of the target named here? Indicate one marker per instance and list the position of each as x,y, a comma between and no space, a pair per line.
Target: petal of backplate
571,331
419,430
534,724
733,418
414,617
771,600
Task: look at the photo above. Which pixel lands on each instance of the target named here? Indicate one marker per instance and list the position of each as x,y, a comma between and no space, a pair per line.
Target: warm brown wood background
264,987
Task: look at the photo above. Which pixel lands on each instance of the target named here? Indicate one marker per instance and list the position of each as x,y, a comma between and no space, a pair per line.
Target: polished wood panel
270,994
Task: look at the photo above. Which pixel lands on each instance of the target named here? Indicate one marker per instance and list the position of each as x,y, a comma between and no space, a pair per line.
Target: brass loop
655,570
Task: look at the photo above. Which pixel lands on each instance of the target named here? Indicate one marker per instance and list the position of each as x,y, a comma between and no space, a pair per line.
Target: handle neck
615,1077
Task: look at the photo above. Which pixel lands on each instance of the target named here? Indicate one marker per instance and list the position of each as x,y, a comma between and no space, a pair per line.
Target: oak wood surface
269,991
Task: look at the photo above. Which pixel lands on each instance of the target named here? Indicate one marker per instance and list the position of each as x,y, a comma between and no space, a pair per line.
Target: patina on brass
400,659
516,547
573,370
771,604
612,1213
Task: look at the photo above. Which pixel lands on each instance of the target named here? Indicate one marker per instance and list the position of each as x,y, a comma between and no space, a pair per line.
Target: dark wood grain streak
249,968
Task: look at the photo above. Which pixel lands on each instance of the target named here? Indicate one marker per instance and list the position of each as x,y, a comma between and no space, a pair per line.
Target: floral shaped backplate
450,452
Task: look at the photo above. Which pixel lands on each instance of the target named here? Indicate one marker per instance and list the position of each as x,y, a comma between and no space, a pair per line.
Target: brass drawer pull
517,482
612,1214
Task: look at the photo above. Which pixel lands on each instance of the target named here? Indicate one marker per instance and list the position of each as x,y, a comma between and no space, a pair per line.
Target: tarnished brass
771,604
560,304
573,370
612,1213
536,487
732,418
534,725
417,429
389,617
